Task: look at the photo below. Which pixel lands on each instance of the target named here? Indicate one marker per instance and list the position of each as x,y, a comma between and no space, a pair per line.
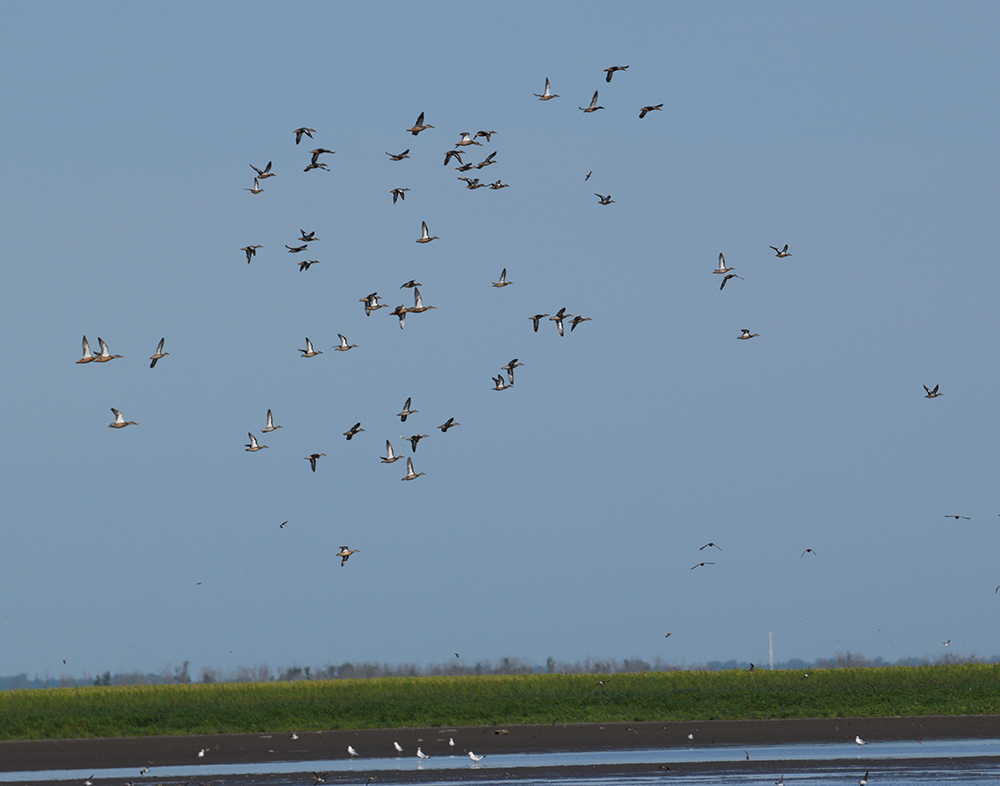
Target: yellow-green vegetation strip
969,689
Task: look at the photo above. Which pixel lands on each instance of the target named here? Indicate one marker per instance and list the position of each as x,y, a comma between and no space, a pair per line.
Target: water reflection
954,761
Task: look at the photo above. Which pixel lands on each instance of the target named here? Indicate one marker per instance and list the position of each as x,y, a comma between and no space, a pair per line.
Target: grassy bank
469,701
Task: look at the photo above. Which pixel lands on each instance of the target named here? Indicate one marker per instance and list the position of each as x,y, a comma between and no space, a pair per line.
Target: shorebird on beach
351,751
396,745
477,757
421,755
860,741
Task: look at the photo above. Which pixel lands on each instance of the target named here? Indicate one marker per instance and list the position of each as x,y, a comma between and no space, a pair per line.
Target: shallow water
954,761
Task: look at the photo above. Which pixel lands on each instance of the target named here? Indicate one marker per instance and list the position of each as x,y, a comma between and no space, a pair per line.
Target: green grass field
493,700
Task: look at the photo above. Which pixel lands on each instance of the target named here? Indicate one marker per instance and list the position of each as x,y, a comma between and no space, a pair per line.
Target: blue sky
563,516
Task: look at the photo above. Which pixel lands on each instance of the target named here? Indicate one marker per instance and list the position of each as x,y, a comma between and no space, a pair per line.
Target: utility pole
770,651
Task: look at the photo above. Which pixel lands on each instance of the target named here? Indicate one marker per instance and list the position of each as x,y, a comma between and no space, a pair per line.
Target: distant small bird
808,551
398,193
311,458
451,740
282,526
270,423
307,237
588,176
611,71
318,152
415,439
88,356
746,333
319,777
667,635
605,200
411,284
309,352
253,446
307,263
345,554
120,421
536,319
158,354
647,109
450,154
344,346
780,781
256,188
410,474
558,319
295,735
489,160
509,368
701,564
104,355
726,278
144,770
864,779
317,165
89,781
547,94
782,253
201,754
752,667
389,456
263,173
406,410
503,282
953,516
419,125
399,156
475,757
296,249
860,741
351,751
593,104
946,643
355,429
932,393
251,251
300,131
425,236
449,423
722,266
576,321
487,134
396,745
707,545
467,140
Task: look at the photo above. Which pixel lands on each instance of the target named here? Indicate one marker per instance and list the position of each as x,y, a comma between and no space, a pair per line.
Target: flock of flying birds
371,302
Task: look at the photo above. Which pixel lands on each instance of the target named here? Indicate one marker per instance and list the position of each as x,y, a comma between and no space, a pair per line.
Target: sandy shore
139,752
